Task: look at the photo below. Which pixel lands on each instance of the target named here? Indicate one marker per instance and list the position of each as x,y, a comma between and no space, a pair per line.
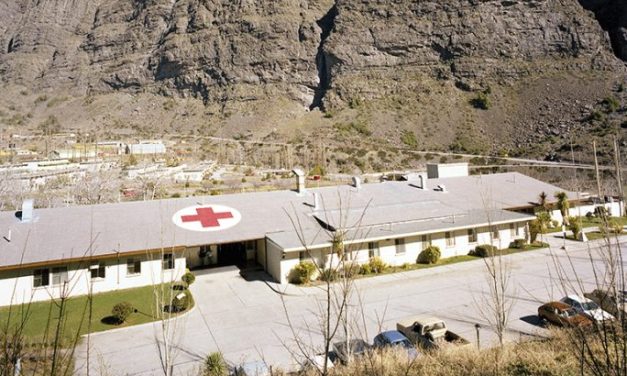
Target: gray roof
101,230
318,237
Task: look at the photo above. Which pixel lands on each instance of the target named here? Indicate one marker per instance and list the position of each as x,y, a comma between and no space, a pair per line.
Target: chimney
27,210
357,182
300,180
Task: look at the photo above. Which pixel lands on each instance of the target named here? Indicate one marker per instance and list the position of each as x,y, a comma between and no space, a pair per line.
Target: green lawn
41,319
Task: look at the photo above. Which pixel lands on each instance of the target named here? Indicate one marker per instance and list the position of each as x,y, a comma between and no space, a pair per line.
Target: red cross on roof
207,217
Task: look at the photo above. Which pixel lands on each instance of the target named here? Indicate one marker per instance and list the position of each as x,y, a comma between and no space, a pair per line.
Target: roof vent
356,182
418,180
316,204
441,188
300,180
27,210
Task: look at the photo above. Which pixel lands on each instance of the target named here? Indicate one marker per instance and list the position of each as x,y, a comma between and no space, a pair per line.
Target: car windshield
589,306
435,326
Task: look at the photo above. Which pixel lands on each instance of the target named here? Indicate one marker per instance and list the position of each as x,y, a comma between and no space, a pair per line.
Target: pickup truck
429,332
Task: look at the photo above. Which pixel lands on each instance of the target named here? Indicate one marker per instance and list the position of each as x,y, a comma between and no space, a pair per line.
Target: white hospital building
132,244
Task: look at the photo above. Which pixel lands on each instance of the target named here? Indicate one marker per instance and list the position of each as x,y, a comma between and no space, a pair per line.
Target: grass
42,318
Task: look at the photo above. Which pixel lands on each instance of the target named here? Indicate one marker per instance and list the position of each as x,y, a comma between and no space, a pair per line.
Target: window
59,275
133,266
400,246
41,277
97,271
168,261
426,241
495,232
450,239
373,249
472,235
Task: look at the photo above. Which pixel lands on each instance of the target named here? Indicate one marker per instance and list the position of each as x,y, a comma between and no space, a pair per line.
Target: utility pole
619,179
596,167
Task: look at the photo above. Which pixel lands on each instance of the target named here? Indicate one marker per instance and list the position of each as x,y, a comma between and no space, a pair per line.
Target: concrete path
245,319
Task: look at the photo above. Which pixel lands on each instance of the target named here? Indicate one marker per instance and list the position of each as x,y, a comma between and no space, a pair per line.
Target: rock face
612,15
408,57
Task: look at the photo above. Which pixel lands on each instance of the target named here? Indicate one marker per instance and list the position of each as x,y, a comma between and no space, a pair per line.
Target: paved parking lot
245,319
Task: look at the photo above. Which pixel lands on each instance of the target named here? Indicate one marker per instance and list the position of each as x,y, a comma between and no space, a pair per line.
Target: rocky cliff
391,64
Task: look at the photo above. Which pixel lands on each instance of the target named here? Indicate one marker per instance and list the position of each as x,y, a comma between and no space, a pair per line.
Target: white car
587,307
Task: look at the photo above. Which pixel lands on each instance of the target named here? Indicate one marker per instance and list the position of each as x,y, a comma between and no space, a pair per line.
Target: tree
543,204
563,205
122,311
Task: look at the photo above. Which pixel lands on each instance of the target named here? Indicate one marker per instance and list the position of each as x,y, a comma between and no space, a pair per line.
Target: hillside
311,70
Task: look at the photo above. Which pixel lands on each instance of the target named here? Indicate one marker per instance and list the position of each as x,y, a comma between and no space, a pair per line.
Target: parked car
611,302
346,352
429,332
562,314
587,307
395,339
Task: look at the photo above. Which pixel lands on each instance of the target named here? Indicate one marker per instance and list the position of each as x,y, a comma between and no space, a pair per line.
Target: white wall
17,286
613,209
413,246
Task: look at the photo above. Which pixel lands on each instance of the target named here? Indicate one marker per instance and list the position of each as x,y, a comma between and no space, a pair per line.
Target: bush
574,225
215,365
302,273
535,228
430,255
188,278
377,265
518,244
483,250
181,302
329,275
122,311
365,269
481,101
409,138
615,226
600,211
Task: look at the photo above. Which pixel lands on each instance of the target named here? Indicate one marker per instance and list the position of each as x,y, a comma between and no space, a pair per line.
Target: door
232,254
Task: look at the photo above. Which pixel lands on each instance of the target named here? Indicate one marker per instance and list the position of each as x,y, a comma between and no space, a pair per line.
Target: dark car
345,352
395,339
562,314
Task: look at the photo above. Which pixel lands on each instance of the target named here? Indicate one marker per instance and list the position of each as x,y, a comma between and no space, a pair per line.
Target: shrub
377,265
409,138
518,244
481,101
188,278
430,255
329,275
122,311
483,250
181,302
351,270
365,269
215,365
535,228
302,273
574,225
615,226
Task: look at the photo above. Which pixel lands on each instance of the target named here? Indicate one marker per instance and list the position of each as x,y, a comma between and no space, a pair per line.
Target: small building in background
446,170
146,147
